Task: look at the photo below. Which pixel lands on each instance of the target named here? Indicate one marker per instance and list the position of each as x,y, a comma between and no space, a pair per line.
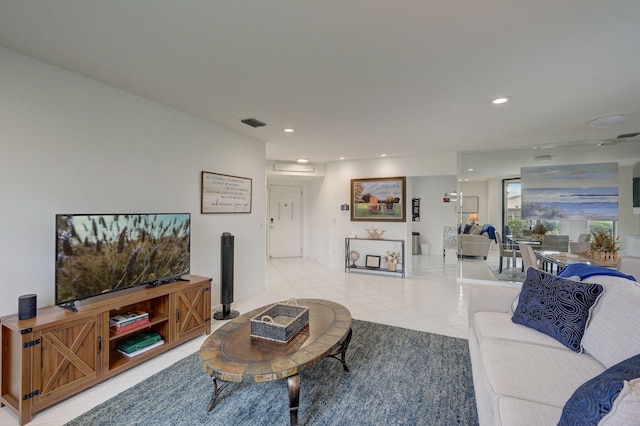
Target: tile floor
431,300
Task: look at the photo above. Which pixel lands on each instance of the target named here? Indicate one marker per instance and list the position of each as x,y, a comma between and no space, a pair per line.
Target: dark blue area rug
397,377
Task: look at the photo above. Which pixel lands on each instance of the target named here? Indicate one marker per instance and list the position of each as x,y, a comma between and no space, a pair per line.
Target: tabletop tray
288,320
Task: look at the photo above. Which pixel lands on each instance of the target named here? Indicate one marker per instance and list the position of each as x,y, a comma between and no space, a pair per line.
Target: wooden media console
59,353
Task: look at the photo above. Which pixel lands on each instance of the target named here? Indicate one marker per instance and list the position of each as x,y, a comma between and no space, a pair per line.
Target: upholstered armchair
472,245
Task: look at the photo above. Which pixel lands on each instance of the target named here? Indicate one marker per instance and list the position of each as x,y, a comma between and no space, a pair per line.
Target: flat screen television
103,253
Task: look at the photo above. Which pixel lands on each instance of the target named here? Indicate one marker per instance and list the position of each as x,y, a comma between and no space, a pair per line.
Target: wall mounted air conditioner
293,167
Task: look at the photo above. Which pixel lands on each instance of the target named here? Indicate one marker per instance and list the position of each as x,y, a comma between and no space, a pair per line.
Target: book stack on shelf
129,321
139,343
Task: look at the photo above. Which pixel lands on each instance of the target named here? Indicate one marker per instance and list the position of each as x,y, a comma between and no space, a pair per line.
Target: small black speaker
226,278
27,306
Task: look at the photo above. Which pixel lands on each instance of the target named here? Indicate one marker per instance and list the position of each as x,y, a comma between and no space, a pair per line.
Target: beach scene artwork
570,192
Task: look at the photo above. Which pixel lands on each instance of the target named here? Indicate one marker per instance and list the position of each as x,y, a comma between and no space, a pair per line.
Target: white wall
434,213
71,145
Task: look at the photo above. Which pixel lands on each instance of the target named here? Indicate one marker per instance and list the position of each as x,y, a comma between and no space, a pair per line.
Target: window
511,207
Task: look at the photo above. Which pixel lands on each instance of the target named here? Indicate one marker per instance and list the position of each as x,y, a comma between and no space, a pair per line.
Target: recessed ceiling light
342,158
383,155
302,160
501,100
288,130
607,120
470,170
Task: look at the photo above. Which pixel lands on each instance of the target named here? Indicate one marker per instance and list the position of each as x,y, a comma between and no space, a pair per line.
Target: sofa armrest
491,298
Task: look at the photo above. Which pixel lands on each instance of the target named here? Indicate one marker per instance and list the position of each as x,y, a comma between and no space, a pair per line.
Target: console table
384,245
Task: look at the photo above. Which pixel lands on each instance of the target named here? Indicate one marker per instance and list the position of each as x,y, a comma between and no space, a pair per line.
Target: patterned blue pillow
556,306
594,399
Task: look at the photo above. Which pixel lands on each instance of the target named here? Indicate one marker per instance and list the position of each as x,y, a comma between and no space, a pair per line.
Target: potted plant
393,258
604,246
539,230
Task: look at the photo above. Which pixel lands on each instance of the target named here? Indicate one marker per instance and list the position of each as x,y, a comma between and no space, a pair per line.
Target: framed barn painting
378,199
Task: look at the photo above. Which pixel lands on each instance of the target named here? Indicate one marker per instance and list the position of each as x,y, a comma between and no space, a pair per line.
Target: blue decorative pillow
594,399
556,306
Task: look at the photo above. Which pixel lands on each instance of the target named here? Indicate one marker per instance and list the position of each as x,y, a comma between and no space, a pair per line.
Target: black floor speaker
27,306
226,278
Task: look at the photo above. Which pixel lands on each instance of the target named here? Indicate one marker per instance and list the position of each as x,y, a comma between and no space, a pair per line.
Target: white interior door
285,221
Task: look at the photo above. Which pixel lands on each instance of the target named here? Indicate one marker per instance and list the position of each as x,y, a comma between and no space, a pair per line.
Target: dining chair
579,247
584,238
555,243
505,251
630,265
529,259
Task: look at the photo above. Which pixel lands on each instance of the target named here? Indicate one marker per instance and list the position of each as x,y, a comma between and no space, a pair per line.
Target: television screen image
98,254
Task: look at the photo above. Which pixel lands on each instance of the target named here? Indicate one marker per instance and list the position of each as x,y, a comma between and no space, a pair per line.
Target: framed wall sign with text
225,194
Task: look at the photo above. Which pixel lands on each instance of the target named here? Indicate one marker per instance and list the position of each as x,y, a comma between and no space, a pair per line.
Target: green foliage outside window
516,226
598,226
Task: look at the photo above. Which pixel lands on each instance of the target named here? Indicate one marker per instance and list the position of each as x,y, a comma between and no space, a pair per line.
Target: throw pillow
476,230
626,407
514,304
594,399
556,306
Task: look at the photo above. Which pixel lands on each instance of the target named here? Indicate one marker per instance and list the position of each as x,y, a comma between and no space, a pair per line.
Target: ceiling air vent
253,122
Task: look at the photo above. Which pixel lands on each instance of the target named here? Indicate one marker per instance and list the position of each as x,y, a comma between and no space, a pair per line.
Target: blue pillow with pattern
556,306
593,399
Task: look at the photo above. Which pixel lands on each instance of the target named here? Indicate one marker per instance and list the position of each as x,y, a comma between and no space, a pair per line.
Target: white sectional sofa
524,377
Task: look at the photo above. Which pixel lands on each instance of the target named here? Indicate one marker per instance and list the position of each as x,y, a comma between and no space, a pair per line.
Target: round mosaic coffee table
231,355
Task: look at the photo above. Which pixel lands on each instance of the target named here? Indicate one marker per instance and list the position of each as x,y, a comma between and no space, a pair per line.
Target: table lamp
473,217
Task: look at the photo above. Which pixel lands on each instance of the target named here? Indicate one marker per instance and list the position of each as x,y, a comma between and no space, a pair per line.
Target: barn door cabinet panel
59,353
193,312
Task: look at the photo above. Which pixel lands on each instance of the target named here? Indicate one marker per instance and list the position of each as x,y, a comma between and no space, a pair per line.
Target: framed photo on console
372,261
225,193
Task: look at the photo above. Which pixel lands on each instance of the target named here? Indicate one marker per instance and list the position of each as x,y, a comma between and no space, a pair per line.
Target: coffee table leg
294,398
342,351
216,392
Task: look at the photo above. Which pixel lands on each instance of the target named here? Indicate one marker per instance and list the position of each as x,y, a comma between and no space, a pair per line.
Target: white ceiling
356,78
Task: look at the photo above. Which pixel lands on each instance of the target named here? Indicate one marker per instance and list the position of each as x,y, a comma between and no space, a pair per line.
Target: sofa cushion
536,373
595,398
626,407
612,334
513,411
498,325
557,307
